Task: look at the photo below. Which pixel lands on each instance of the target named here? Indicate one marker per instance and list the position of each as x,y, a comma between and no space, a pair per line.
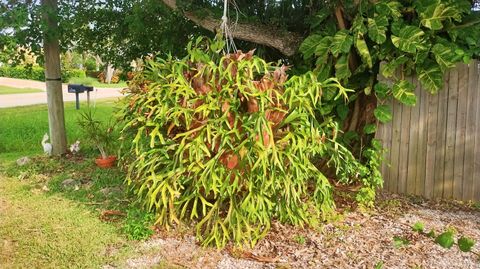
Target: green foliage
300,239
383,113
138,224
101,134
227,141
369,173
445,239
90,64
465,244
399,242
36,73
418,227
423,38
33,73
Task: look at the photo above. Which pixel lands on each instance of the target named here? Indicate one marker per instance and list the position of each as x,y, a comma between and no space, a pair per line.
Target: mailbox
77,89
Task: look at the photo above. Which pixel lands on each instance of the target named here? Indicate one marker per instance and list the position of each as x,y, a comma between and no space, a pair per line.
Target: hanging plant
227,142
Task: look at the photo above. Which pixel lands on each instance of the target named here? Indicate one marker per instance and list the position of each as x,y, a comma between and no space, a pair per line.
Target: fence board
432,115
434,148
468,182
476,161
395,154
450,132
442,119
422,140
412,147
460,131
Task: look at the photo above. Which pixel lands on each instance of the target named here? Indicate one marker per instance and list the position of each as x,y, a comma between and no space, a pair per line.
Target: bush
228,142
22,72
90,64
71,73
36,73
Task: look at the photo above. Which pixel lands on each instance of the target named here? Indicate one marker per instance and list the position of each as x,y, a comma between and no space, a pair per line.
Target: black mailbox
77,89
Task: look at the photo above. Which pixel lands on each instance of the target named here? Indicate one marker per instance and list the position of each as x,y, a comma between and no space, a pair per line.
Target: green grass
44,224
89,81
49,231
13,90
22,128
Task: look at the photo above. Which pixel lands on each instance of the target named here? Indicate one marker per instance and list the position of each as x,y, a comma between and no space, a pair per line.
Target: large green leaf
322,49
342,71
362,49
445,239
446,57
388,69
358,26
435,13
389,8
377,29
320,17
404,92
465,244
308,46
383,113
430,76
342,42
410,39
381,90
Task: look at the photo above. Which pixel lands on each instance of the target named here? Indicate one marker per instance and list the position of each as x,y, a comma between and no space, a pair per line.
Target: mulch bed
355,240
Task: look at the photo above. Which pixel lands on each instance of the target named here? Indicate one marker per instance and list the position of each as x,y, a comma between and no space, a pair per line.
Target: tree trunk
98,62
56,118
109,71
286,42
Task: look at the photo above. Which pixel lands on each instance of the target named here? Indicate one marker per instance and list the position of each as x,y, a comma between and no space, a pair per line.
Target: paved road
12,100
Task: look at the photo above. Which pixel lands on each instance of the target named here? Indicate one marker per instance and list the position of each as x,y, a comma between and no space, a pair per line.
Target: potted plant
101,135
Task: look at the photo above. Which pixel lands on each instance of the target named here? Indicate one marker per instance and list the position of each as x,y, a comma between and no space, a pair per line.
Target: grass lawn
89,81
49,231
22,128
13,90
45,223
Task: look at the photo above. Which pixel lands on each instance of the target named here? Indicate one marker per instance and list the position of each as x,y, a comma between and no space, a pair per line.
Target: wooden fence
433,148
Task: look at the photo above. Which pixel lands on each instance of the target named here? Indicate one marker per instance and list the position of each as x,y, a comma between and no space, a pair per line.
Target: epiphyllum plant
227,141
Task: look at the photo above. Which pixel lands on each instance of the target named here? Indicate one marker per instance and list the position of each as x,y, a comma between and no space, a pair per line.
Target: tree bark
286,42
109,71
56,118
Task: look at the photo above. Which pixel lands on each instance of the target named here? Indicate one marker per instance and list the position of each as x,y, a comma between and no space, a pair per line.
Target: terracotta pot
106,163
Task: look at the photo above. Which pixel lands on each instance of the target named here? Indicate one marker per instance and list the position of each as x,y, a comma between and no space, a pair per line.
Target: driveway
12,100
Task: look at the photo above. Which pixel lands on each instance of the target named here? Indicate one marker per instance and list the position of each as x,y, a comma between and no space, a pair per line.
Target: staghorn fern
227,142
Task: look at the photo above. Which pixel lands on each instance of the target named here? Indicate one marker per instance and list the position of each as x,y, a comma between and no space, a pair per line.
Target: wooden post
56,118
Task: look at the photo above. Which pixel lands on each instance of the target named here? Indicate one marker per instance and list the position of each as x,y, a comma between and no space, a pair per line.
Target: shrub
36,73
90,64
22,72
70,73
228,141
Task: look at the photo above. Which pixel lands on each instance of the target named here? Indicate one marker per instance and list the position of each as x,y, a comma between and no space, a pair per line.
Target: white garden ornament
47,147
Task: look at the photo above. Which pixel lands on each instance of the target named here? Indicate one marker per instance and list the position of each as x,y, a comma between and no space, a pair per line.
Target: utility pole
53,80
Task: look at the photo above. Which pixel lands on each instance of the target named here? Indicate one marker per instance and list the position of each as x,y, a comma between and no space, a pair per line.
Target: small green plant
300,239
399,241
99,133
379,265
447,238
138,224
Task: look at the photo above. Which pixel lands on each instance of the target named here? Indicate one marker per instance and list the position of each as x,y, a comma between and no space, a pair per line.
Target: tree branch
286,42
